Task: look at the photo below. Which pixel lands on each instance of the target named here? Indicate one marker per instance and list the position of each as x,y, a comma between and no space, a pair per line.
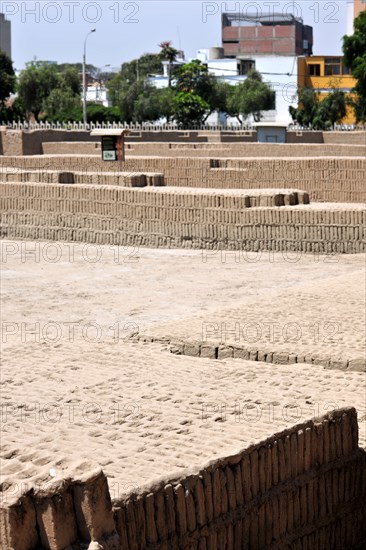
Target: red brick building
274,34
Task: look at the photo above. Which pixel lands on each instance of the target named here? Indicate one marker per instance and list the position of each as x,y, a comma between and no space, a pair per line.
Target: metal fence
160,127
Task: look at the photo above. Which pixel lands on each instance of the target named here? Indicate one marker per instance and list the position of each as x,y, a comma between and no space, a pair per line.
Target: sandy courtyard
75,388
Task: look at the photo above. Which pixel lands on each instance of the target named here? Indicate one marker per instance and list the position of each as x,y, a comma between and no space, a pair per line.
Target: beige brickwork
215,150
331,179
301,488
160,217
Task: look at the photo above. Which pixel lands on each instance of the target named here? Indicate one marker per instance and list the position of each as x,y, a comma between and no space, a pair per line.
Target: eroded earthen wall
302,488
121,216
215,150
326,179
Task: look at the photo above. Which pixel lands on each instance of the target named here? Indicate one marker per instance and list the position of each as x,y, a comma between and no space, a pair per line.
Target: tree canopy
170,54
43,86
354,50
320,114
250,97
7,76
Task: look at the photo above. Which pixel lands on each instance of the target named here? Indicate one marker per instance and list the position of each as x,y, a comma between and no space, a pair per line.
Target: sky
56,30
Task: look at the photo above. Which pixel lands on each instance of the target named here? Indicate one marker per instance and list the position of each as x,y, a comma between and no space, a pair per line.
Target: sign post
113,144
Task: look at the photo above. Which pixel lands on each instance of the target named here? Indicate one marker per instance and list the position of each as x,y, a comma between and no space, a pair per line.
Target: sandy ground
73,387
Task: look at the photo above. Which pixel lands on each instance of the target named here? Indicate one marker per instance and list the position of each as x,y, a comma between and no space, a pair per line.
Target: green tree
62,105
189,108
44,88
170,54
7,76
306,112
100,113
250,98
321,114
194,78
153,104
36,82
354,50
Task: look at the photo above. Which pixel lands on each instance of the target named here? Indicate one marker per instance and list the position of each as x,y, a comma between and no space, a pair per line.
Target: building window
346,70
245,66
332,66
314,69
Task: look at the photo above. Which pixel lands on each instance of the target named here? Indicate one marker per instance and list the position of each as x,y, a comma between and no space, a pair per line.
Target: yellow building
324,74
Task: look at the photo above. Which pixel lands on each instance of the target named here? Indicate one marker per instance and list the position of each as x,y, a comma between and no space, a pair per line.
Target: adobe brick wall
213,150
159,217
58,514
304,136
301,488
125,179
325,178
304,487
17,142
351,138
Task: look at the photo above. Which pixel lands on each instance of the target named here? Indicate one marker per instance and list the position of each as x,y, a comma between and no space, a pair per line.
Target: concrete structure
358,7
5,35
325,73
354,8
271,132
97,93
276,34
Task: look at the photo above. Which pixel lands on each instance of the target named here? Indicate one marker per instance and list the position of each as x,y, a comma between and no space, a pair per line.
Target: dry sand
81,391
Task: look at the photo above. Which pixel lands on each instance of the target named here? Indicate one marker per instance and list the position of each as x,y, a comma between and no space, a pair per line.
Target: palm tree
170,54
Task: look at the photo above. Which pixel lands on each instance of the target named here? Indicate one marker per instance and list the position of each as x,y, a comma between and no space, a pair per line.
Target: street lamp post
84,78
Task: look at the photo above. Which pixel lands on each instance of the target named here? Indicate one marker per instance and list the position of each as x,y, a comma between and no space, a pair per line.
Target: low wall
216,150
57,513
100,178
19,142
326,179
350,138
217,350
304,487
160,217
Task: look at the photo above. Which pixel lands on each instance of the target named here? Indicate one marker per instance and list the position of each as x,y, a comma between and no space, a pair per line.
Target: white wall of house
280,72
97,93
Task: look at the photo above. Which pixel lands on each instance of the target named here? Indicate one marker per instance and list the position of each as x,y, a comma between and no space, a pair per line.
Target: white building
280,72
97,93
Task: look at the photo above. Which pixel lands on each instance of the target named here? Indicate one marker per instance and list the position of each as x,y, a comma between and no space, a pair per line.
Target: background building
5,35
359,5
354,8
274,34
326,73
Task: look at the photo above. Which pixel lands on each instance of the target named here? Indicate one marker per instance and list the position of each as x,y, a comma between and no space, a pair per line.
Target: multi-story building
273,34
354,8
358,7
326,73
5,35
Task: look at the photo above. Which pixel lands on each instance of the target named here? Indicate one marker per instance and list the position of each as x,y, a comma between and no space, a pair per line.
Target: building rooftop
230,19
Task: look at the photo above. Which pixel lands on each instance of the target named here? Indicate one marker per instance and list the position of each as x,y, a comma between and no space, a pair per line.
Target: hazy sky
55,30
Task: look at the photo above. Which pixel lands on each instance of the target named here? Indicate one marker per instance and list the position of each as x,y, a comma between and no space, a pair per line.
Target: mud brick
211,352
225,352
55,518
241,353
177,348
358,365
280,358
93,507
18,524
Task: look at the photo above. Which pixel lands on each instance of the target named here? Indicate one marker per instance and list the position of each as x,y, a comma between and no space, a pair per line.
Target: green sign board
109,149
